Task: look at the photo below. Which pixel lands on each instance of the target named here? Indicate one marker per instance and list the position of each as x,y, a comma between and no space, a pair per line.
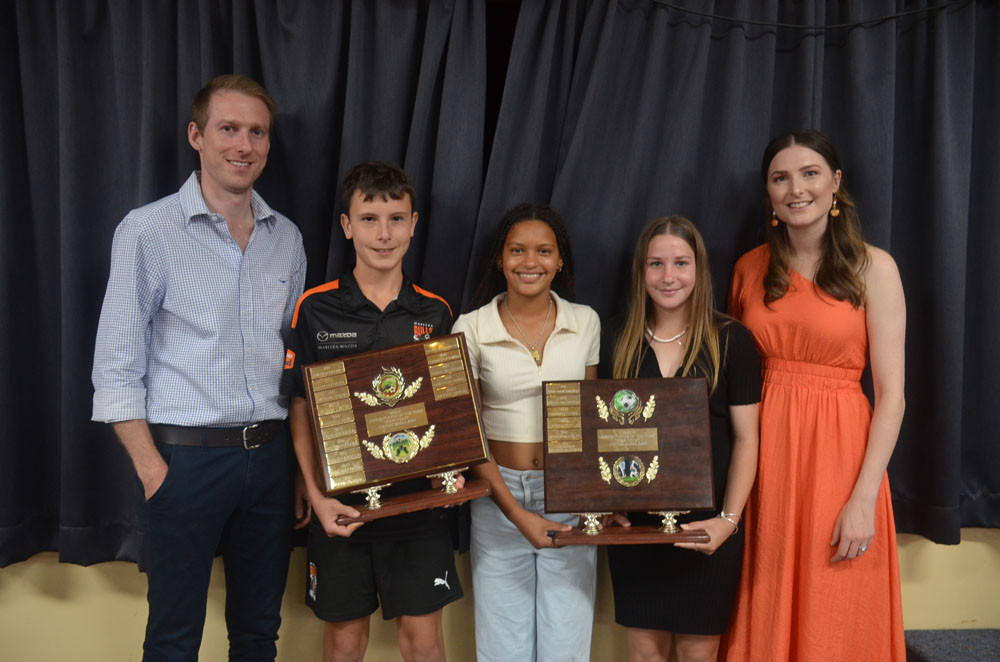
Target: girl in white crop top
533,600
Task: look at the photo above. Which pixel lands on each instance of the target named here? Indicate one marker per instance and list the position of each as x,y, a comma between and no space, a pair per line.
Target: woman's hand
854,529
535,528
718,529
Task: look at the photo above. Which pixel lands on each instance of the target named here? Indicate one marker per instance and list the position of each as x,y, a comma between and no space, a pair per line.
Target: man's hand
152,475
303,511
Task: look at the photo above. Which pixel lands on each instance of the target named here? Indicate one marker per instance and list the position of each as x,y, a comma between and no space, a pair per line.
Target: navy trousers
231,500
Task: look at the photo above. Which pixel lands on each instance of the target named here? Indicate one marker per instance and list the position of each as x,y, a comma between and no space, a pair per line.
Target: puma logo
438,581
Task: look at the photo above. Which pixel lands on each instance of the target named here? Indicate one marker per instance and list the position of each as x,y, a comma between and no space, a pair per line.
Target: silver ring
862,549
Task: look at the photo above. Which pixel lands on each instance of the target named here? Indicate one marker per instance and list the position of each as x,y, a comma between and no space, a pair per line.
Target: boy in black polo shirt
406,560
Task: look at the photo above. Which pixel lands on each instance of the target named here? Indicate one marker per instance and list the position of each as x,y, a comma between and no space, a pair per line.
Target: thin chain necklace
666,340
531,346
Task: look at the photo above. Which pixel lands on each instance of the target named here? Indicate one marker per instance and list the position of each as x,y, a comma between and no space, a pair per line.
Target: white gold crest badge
629,470
388,388
626,407
400,447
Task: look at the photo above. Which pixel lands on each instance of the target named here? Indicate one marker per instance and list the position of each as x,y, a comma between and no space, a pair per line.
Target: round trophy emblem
625,401
628,470
401,446
389,384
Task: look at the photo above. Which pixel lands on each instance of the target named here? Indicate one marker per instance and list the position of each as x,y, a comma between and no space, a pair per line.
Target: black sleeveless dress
661,587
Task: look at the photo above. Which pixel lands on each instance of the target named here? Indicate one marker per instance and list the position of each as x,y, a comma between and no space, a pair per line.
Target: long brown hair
844,253
702,354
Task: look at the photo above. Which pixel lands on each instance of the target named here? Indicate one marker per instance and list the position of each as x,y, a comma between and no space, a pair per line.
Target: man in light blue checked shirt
187,367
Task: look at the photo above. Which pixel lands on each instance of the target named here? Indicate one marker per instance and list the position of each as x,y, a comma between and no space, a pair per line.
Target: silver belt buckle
246,443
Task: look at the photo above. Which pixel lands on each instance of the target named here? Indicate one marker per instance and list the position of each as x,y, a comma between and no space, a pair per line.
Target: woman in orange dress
820,574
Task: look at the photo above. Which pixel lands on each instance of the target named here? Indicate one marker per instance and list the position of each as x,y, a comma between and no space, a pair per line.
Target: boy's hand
328,510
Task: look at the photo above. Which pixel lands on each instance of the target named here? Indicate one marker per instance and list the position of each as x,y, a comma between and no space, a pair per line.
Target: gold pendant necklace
531,346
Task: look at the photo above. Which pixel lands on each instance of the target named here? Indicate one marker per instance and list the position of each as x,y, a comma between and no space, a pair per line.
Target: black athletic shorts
346,580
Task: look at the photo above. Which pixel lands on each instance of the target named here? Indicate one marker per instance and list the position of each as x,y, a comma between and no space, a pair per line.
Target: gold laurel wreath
413,388
372,448
425,440
647,411
654,466
605,469
602,409
367,398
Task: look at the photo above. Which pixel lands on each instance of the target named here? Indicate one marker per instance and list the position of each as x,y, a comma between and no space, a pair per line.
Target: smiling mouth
800,205
240,164
531,277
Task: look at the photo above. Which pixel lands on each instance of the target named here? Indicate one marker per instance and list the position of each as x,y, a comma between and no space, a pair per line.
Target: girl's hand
718,529
535,529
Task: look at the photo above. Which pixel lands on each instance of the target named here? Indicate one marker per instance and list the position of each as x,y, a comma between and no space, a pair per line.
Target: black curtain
618,112
94,102
615,111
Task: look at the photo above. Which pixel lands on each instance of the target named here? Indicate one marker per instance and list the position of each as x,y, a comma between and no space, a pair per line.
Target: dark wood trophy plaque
619,445
386,416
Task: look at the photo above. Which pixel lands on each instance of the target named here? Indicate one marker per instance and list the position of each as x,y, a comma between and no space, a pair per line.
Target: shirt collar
193,203
492,330
407,298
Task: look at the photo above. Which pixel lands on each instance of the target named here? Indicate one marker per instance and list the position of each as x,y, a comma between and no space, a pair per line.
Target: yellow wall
50,611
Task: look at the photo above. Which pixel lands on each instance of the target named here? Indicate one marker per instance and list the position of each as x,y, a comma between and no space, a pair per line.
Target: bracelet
732,518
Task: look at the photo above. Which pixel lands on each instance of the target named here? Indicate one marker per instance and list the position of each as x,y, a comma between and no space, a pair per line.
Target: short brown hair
229,83
376,178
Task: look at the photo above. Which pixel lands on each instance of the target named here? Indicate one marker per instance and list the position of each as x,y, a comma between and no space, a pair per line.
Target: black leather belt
249,436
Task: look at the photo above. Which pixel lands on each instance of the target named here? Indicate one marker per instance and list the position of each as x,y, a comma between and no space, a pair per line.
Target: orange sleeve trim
289,359
427,293
325,287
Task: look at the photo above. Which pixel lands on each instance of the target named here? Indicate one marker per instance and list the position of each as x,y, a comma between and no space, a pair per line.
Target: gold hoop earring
833,210
774,219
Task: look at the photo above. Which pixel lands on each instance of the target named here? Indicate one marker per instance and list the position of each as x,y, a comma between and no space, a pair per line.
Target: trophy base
415,501
626,535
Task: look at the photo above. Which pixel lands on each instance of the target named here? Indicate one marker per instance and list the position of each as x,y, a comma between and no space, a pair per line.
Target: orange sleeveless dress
793,604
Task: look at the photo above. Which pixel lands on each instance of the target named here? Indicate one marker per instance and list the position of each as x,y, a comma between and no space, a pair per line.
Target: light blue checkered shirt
192,329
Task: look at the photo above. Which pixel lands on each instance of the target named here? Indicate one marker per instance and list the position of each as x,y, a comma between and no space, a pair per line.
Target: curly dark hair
493,281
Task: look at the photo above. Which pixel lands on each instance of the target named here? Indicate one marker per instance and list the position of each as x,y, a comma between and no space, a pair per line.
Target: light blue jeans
531,604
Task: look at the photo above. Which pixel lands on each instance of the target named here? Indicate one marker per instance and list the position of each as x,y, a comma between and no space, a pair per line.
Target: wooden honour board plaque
627,445
393,414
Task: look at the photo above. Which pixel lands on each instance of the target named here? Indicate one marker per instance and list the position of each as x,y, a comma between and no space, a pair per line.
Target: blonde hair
702,353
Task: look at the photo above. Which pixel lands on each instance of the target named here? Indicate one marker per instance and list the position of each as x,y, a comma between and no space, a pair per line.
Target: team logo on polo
322,336
422,330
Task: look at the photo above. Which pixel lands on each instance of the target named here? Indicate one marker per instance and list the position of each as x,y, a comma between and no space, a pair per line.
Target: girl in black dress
682,594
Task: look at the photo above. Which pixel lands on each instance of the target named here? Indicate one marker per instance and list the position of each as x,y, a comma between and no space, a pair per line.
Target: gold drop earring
774,219
833,210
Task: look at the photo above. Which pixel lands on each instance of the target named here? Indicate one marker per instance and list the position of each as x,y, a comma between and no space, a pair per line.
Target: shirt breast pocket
274,289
